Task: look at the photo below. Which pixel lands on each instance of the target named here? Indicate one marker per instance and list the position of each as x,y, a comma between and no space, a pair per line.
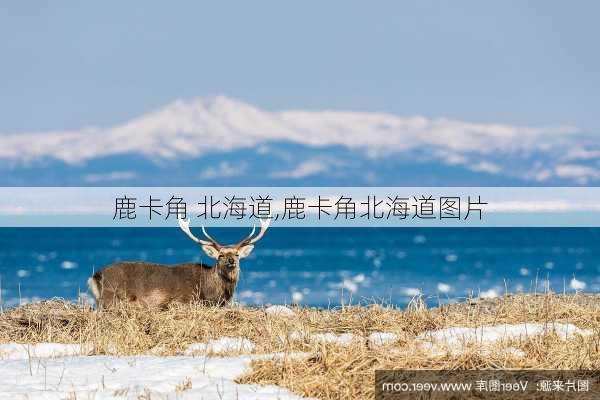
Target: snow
281,311
18,351
221,345
378,339
490,350
343,340
108,377
299,335
514,352
200,126
57,371
457,339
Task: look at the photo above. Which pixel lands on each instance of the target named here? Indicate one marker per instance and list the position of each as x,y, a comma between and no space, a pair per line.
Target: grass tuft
329,371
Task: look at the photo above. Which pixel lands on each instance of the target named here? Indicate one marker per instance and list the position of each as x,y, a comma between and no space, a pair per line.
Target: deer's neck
229,277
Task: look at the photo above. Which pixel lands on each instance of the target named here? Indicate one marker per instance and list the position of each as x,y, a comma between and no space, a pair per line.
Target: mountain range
220,141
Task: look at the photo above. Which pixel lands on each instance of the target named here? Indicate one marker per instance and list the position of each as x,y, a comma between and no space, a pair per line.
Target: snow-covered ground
342,339
221,345
56,371
279,310
378,339
457,339
63,371
17,351
454,339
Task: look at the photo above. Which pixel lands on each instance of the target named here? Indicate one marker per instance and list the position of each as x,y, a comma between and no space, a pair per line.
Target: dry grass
330,371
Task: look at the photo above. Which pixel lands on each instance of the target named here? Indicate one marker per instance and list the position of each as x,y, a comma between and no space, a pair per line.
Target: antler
185,227
247,238
264,225
208,236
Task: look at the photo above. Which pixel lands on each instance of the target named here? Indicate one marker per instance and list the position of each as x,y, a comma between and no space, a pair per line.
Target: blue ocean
318,266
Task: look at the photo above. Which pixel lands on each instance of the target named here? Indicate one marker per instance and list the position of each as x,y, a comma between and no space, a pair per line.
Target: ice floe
443,287
576,284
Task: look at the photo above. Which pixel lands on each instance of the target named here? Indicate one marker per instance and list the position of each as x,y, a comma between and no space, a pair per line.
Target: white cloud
454,159
542,175
304,169
580,153
580,173
223,170
486,166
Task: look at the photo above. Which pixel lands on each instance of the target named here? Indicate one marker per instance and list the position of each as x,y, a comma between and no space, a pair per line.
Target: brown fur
158,285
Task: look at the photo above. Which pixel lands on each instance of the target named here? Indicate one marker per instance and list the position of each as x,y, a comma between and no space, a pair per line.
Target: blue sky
66,65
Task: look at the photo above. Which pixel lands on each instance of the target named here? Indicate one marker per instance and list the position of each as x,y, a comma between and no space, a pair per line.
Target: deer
159,285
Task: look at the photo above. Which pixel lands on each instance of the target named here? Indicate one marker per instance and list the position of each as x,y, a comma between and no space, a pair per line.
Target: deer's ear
245,251
210,251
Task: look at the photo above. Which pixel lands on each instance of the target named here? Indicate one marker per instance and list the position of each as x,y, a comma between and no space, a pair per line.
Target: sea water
322,267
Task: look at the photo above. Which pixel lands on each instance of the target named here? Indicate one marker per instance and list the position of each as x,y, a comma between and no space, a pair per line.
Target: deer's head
228,257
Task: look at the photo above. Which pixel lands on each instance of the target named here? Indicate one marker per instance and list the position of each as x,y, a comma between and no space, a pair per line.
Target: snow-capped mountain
222,141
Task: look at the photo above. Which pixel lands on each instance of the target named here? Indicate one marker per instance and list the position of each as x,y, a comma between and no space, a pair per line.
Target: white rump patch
93,285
